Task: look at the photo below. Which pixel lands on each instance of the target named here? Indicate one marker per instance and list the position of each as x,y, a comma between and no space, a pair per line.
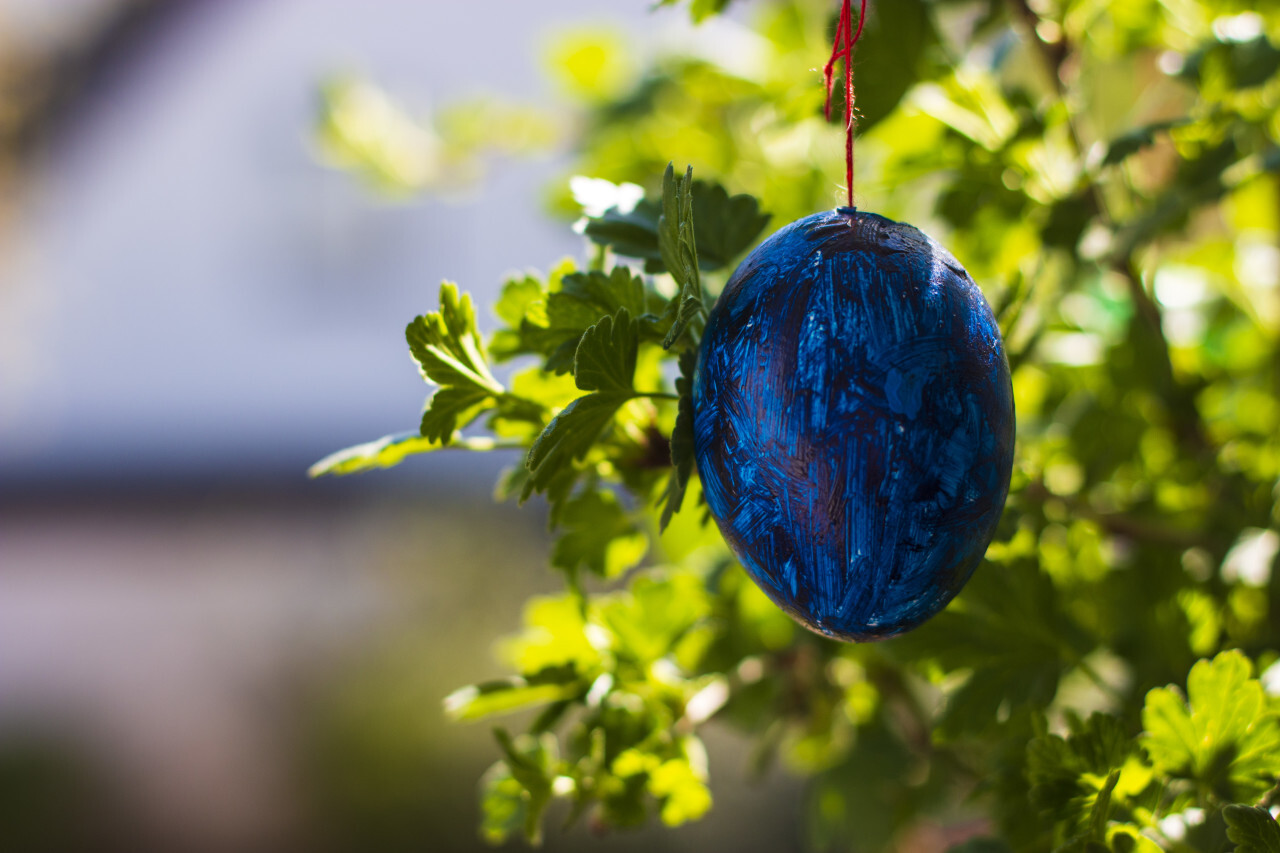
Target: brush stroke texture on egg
854,423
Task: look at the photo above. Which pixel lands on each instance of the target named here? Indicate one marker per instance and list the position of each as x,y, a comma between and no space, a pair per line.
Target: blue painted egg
854,424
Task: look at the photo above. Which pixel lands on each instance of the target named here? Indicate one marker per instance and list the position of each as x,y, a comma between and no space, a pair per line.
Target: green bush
1108,174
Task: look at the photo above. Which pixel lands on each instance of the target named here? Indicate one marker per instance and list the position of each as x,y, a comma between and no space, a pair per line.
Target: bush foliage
1108,174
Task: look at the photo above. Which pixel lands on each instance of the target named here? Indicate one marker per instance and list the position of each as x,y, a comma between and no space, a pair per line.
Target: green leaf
675,226
700,10
679,253
551,322
522,306
1252,828
452,407
360,129
529,761
1102,809
555,634
588,296
1067,221
1226,735
502,805
569,437
505,695
724,226
631,233
1253,62
703,9
625,805
682,442
1008,630
691,308
1072,778
1172,740
1128,838
889,59
1091,836
519,297
651,617
1130,143
598,534
1245,63
606,356
447,345
684,793
389,451
1056,766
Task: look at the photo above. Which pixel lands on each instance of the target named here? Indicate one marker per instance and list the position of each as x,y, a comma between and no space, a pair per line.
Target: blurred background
217,217
200,648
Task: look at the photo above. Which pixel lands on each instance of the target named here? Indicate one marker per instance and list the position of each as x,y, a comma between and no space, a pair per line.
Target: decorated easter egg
854,423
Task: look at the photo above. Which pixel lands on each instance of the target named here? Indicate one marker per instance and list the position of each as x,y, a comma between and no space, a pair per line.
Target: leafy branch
1096,685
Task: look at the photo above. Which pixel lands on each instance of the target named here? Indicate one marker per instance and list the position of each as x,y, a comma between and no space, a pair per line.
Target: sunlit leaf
655,614
1225,734
505,695
502,805
389,451
555,634
685,796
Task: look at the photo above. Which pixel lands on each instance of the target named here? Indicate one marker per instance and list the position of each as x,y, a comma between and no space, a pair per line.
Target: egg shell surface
854,423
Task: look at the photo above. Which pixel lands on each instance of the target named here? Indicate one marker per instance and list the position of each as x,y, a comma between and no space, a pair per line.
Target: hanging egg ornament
854,423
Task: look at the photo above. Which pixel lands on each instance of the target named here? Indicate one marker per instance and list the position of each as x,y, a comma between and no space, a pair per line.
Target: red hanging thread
844,30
